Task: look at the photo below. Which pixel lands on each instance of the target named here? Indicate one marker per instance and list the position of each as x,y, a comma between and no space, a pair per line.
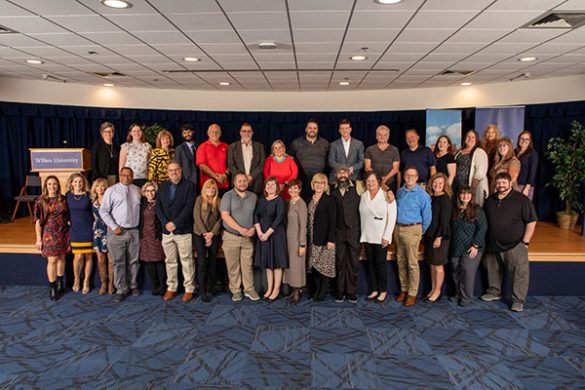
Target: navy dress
273,252
81,217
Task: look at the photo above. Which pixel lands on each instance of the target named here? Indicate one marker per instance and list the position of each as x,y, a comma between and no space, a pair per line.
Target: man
511,222
419,157
185,153
384,159
237,212
120,210
211,158
347,234
414,218
246,155
310,153
174,210
347,151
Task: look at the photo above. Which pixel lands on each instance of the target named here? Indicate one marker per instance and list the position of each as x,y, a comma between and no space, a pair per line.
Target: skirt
436,256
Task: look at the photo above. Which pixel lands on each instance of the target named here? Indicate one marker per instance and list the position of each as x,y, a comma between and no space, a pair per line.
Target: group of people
284,215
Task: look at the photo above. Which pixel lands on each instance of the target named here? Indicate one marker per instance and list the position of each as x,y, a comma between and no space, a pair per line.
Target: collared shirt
191,146
414,206
422,158
121,206
346,145
311,157
240,208
215,157
247,155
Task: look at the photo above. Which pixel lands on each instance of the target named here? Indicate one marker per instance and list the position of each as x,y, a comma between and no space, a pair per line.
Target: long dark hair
471,211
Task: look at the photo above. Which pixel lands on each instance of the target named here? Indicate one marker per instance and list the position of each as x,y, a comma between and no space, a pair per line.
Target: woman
105,155
160,157
472,167
271,249
281,166
468,230
489,142
81,230
207,225
445,160
438,234
296,237
377,218
135,153
321,236
150,233
105,266
528,163
505,161
51,218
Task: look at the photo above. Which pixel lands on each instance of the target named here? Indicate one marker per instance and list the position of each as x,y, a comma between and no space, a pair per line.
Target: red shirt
284,171
215,157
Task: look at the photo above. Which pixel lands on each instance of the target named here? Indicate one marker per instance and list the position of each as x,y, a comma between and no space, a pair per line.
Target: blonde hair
97,182
148,184
215,200
510,153
320,177
439,175
73,176
278,141
164,133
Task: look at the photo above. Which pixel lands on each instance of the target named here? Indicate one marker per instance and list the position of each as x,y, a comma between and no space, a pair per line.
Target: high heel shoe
373,298
433,300
378,300
75,287
85,290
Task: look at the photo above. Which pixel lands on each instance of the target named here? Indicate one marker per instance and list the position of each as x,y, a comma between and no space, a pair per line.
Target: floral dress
137,158
99,229
53,216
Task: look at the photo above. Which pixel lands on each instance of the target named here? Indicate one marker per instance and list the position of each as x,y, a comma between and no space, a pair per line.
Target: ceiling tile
61,7
274,35
162,37
251,20
460,5
133,22
112,38
380,35
441,19
30,25
200,21
380,19
525,5
185,6
325,35
503,19
472,35
312,5
320,19
85,23
424,35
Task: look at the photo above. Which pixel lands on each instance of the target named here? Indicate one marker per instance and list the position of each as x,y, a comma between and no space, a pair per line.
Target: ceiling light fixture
465,84
108,85
191,59
358,58
118,4
35,62
268,45
387,1
224,83
527,59
344,82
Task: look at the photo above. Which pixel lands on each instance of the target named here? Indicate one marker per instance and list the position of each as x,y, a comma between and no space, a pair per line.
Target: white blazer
378,218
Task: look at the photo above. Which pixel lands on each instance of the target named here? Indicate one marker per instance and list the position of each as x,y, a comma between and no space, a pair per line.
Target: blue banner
443,122
509,120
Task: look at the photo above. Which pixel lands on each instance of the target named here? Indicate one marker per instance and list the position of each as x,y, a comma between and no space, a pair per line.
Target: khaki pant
238,252
515,261
407,240
181,243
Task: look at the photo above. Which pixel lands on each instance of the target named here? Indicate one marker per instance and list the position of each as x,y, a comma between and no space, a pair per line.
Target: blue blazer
187,161
354,159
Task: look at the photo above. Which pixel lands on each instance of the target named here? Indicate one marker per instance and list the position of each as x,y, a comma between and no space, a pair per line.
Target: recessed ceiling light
191,59
108,85
465,84
224,83
387,1
527,59
268,45
118,4
35,62
344,82
358,58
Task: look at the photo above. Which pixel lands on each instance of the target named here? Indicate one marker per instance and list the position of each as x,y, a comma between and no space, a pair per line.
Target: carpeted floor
90,342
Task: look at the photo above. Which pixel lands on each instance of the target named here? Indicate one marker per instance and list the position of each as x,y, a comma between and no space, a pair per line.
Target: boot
103,271
60,285
295,297
111,289
53,291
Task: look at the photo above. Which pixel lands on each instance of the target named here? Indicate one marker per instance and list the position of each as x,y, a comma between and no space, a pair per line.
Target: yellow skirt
81,247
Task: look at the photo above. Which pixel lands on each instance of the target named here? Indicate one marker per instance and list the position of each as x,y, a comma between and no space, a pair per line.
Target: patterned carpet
89,342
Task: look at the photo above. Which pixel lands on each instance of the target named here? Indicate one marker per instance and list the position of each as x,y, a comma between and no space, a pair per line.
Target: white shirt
346,146
247,155
377,218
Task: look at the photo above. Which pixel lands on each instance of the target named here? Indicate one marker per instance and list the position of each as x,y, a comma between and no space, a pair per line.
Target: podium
60,162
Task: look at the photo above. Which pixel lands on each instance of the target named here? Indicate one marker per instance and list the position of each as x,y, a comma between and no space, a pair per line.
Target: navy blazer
187,160
354,159
180,210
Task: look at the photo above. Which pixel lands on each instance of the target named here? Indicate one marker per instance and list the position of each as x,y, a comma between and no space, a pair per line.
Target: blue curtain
24,126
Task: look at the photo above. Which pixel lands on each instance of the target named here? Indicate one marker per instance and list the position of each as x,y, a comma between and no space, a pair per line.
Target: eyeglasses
524,139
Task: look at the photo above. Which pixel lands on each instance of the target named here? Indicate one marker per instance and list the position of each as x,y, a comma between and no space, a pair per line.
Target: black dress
442,163
273,252
440,227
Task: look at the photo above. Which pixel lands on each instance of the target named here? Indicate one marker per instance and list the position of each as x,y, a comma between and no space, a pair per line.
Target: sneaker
237,296
352,299
517,307
339,298
490,298
252,295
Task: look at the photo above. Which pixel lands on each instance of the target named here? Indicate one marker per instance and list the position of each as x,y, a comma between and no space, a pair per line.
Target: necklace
110,149
78,197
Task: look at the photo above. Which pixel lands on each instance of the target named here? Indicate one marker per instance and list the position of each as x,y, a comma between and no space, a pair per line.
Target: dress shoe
426,299
372,298
434,300
205,298
119,298
382,300
410,301
187,297
169,295
401,297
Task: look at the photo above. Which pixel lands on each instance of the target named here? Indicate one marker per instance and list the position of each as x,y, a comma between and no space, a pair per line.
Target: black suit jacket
324,221
180,210
187,161
235,162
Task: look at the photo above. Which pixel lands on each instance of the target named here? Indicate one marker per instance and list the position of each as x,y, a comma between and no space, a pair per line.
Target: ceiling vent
6,30
558,19
109,75
455,73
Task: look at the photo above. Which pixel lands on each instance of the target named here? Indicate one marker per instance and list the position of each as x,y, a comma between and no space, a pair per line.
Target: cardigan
378,218
203,218
157,224
324,221
100,160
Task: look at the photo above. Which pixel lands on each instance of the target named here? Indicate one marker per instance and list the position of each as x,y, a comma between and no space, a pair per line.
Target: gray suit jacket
235,161
354,159
187,161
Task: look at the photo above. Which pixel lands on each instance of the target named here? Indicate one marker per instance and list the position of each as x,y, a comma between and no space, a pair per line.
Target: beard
343,182
188,138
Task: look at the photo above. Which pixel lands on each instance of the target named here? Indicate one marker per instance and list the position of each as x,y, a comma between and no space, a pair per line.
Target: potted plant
150,132
567,156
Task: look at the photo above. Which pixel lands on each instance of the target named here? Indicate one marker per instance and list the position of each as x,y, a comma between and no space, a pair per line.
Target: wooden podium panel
59,162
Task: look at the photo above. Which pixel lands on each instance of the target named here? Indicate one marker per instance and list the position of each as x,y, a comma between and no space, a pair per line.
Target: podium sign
59,162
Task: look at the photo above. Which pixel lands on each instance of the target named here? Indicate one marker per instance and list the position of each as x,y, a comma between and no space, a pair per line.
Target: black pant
378,271
206,257
347,266
321,283
158,275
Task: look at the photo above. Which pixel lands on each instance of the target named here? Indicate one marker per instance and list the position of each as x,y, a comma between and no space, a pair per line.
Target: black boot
60,285
53,291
